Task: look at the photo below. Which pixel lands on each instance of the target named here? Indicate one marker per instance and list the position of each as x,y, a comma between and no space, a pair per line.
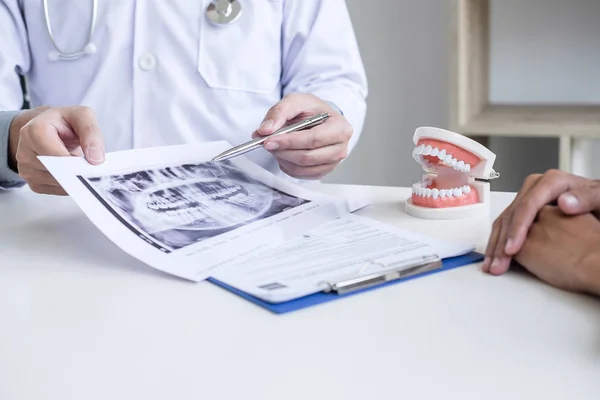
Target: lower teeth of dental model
421,189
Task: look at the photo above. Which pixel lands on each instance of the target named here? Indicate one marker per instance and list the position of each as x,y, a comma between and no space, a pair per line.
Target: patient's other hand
564,250
573,194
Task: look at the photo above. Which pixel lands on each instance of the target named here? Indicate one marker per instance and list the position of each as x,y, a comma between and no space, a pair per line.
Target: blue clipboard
322,297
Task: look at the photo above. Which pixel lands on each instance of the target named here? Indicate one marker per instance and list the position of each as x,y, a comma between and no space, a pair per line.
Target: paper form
348,247
179,213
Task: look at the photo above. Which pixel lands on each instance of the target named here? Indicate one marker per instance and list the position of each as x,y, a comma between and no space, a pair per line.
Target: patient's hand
564,250
573,194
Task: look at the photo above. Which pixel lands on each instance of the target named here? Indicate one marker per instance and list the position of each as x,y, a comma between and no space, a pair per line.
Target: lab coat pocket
245,55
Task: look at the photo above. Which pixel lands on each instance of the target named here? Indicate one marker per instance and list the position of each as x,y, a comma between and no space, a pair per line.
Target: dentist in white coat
120,74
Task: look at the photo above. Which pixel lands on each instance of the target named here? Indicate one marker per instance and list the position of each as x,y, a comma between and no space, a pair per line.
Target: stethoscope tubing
63,55
76,54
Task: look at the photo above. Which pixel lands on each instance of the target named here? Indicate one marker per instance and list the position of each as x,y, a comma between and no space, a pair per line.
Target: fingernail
486,264
570,200
268,124
272,146
509,244
496,267
95,154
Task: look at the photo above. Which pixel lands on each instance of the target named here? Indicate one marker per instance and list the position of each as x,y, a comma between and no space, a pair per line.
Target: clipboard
353,287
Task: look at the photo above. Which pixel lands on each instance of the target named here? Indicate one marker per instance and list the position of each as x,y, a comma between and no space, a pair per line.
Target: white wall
542,51
405,47
545,51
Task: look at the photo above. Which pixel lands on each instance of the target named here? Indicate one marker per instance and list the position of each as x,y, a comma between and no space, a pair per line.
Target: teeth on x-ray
210,202
184,204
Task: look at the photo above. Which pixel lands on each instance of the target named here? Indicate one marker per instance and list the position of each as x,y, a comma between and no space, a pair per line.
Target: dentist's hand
312,153
52,131
573,194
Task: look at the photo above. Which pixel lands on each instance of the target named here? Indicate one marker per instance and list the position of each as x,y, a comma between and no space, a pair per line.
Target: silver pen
258,142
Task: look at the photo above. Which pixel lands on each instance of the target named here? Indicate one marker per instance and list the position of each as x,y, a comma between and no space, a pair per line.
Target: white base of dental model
482,170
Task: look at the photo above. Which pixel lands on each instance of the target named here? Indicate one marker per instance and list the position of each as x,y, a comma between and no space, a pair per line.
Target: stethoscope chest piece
224,12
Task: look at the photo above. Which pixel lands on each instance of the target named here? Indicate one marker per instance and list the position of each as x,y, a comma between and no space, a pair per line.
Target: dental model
457,168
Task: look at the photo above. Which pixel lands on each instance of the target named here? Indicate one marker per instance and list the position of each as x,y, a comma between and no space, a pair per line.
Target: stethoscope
219,12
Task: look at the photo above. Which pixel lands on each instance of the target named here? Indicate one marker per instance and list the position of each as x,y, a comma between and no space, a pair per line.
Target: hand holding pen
308,154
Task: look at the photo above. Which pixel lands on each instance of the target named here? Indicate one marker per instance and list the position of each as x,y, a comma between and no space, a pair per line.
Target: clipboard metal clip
391,273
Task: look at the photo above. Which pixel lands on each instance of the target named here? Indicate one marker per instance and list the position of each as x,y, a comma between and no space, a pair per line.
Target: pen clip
307,123
256,143
394,272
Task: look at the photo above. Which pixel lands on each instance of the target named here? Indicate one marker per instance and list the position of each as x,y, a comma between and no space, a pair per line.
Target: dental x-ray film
176,211
176,206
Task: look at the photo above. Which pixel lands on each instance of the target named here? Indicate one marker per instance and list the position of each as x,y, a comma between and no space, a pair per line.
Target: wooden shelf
473,115
535,121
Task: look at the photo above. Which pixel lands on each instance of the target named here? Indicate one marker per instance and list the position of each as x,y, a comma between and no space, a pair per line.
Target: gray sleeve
8,178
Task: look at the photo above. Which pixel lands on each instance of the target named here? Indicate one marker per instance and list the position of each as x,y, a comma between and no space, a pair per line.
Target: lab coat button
146,62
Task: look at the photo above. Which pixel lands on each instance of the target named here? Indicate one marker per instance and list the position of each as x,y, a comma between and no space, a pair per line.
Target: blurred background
541,51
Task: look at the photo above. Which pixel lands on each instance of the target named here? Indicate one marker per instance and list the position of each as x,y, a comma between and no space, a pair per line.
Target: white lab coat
163,74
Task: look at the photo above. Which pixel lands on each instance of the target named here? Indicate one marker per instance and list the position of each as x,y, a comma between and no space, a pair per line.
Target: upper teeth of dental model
446,159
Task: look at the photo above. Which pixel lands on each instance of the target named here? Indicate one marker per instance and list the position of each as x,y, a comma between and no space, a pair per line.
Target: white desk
81,320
